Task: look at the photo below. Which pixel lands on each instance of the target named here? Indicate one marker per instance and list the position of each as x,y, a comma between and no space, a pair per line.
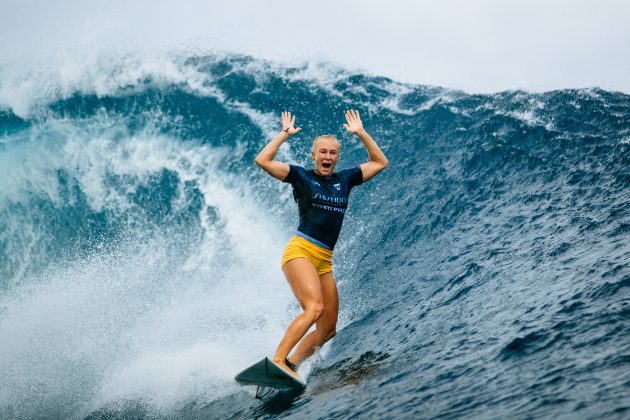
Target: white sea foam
25,87
146,319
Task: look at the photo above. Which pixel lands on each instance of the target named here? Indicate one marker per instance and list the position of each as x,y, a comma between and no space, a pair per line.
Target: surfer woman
322,198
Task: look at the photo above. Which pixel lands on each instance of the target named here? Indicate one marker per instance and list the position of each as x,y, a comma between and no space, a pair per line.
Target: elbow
258,162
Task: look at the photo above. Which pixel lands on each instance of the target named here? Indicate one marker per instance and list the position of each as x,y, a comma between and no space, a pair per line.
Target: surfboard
267,373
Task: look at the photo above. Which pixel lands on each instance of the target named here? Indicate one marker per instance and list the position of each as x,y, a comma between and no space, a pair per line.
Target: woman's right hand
288,123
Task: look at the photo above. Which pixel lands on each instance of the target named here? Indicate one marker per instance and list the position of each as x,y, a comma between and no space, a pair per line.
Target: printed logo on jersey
322,197
337,186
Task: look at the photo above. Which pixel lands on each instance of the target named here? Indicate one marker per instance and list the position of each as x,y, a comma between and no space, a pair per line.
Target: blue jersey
322,202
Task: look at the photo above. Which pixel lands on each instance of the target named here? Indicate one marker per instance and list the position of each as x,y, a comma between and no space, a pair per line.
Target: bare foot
283,365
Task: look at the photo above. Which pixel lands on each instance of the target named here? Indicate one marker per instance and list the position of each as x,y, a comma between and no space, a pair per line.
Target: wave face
483,274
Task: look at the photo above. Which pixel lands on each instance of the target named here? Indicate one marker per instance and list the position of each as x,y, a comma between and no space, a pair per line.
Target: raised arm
378,161
278,170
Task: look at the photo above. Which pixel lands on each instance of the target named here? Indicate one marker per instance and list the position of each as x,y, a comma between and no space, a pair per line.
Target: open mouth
326,165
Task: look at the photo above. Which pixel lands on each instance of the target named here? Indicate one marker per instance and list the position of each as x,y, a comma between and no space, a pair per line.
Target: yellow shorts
301,248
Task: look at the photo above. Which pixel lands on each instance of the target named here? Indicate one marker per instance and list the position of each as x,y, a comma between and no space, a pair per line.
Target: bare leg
326,325
306,286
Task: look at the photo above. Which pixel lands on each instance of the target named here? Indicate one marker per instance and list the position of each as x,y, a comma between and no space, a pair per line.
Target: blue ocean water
484,274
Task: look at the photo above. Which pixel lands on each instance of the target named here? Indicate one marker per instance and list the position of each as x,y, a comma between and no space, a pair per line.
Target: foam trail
156,313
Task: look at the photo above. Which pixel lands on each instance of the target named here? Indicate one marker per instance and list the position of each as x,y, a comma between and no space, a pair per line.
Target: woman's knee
315,310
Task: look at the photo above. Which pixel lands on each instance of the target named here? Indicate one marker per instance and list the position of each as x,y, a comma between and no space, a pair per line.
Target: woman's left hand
353,120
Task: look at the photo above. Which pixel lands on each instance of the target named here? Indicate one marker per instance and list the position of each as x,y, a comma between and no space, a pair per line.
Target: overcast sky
474,45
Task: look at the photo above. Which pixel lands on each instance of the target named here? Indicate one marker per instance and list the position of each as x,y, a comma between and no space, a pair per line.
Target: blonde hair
325,137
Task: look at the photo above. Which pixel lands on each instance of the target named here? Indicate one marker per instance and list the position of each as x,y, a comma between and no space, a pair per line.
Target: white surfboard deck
267,373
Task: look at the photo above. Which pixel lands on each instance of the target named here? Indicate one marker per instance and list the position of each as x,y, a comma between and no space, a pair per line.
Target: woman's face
325,156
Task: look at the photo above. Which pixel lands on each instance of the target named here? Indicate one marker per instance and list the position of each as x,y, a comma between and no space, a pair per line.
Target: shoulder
350,171
295,172
353,175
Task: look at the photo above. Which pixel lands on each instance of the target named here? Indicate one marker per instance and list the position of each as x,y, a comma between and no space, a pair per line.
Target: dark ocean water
484,274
